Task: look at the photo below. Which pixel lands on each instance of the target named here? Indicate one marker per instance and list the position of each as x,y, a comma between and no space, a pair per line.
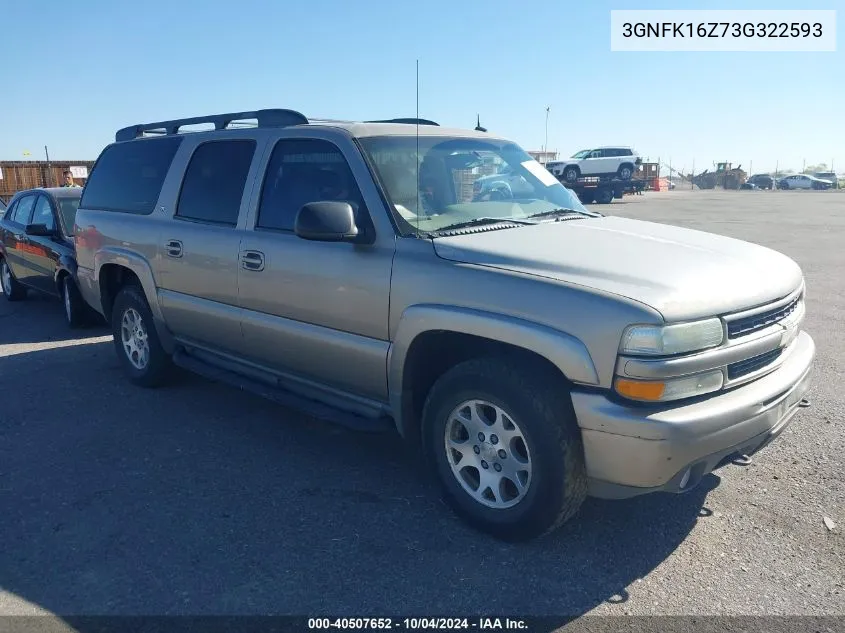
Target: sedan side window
44,214
302,171
23,211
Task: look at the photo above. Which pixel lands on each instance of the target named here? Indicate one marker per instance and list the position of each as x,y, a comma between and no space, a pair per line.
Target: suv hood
682,273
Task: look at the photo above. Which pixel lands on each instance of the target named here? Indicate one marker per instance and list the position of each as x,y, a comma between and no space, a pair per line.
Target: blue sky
74,73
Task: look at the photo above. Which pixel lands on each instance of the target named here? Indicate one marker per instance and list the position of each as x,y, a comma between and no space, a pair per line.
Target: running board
263,387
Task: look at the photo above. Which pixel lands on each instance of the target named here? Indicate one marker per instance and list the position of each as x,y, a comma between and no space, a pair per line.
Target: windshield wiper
562,211
480,222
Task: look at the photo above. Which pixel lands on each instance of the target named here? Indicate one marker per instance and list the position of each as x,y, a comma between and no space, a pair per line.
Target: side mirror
40,230
327,222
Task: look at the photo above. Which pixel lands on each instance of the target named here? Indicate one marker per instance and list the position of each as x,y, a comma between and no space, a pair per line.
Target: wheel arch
431,338
115,268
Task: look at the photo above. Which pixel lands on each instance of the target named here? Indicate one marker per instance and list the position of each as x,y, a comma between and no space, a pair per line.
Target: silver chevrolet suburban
533,351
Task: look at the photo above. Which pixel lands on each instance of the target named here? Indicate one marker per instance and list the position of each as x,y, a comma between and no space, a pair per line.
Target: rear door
198,267
15,240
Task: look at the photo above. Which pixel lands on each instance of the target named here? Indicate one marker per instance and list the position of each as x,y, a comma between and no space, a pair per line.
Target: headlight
670,389
665,340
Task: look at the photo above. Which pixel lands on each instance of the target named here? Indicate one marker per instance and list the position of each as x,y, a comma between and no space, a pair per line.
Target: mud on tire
538,406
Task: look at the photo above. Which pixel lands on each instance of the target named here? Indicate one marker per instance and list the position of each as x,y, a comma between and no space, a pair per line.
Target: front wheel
505,445
76,311
625,172
136,341
570,174
13,290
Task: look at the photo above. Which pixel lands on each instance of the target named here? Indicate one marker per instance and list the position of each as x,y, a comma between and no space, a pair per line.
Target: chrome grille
755,322
750,365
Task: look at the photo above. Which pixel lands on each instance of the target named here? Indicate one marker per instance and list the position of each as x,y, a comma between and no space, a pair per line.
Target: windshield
462,180
68,207
582,154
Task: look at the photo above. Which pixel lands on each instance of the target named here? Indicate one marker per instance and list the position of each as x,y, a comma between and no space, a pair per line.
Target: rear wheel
587,197
136,341
504,443
625,172
604,195
13,290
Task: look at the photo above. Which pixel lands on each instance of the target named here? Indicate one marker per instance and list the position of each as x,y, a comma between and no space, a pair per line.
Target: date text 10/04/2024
418,624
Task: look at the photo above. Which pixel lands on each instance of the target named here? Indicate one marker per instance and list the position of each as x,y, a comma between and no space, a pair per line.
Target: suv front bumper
632,450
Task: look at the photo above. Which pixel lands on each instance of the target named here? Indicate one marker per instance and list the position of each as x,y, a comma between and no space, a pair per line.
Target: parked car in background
829,175
750,186
763,181
37,251
615,161
534,351
803,181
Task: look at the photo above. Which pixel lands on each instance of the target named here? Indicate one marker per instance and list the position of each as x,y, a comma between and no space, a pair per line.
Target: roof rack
265,118
409,121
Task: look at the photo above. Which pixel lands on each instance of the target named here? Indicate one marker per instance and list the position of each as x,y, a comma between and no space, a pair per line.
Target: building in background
542,156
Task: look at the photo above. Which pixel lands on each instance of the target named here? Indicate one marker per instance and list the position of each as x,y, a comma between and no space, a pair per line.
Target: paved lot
200,499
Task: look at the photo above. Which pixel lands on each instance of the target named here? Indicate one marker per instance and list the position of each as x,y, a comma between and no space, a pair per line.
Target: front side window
128,176
22,212
302,171
215,180
43,214
453,180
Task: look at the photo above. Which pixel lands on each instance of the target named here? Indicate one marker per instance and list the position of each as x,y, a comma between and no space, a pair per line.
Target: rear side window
10,212
23,210
215,180
128,176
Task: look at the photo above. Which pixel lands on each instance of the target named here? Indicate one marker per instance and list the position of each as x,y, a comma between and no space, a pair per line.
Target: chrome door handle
252,260
173,248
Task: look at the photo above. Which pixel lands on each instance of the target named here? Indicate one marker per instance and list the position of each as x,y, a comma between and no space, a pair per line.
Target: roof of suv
280,118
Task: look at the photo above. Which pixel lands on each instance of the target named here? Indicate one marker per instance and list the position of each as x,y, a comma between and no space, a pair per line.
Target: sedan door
42,252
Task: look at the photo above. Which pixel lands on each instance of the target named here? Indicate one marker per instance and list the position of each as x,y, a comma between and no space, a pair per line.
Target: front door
318,310
42,251
198,266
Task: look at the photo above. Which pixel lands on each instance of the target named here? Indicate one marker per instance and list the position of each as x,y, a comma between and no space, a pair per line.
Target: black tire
604,195
157,368
784,186
12,288
542,410
77,313
587,197
625,172
571,173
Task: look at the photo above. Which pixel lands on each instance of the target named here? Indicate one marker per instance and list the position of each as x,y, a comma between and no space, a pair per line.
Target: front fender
563,350
143,271
66,264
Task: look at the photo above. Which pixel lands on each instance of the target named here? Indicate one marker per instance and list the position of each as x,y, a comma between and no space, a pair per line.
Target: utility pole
546,142
49,169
